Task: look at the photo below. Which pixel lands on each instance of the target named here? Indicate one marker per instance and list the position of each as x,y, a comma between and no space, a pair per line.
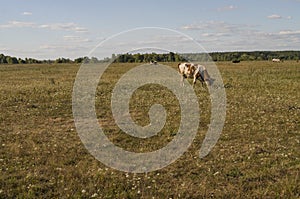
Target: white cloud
214,34
17,24
64,26
55,50
73,38
212,27
22,52
223,36
289,32
2,49
62,47
47,51
69,45
54,26
274,16
227,8
54,47
27,13
80,29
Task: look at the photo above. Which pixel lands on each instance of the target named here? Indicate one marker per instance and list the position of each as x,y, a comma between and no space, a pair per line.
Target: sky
73,28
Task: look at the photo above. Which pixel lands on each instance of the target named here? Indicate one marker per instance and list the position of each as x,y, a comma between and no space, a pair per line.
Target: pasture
257,155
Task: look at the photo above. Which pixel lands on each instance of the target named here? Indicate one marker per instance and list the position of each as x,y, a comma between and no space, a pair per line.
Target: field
257,155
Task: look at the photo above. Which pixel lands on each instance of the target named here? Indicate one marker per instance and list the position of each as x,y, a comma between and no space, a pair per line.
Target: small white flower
216,173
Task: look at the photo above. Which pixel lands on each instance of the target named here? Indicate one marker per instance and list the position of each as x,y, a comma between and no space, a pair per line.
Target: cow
153,62
276,60
195,71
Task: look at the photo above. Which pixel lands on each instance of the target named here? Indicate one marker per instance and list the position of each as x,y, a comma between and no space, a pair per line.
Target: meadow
257,155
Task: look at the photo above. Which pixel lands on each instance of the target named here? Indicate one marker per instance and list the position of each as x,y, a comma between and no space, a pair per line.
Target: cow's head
190,70
209,82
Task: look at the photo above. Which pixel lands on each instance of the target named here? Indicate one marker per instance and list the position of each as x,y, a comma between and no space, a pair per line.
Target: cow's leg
182,83
201,79
194,81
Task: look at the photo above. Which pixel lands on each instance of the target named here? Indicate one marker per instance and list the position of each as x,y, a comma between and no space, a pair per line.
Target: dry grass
257,155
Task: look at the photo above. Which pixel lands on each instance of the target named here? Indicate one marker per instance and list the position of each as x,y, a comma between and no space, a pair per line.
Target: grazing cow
195,71
276,60
153,62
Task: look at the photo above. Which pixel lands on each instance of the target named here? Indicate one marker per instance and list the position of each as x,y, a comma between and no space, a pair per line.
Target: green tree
21,61
12,60
78,60
171,57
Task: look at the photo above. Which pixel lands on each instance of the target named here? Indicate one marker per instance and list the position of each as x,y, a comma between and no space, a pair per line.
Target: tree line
165,57
255,56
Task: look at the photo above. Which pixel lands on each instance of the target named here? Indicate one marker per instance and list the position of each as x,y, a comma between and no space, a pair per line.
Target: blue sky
51,29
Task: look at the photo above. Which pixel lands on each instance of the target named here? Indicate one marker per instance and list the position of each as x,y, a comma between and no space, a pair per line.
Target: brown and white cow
276,60
195,71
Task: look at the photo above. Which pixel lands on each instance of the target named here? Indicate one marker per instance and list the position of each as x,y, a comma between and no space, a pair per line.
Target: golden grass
257,155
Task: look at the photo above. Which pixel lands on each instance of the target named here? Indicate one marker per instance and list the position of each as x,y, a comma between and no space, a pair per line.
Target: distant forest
168,57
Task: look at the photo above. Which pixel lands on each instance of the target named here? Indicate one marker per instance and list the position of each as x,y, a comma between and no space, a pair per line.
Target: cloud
64,26
80,29
214,34
223,36
2,49
200,26
274,16
73,38
54,26
55,47
46,51
27,13
17,24
227,8
289,32
219,27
